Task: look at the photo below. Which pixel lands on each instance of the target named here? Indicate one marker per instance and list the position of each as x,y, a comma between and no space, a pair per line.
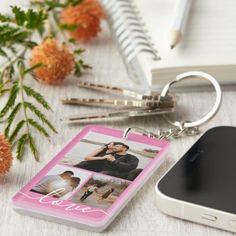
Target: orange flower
87,16
57,61
5,155
92,7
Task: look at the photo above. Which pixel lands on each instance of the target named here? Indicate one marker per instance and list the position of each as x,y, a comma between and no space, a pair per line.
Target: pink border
90,218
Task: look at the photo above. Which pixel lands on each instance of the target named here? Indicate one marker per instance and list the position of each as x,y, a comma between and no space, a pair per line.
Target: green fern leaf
31,69
4,18
40,115
37,96
16,131
30,19
11,100
79,50
38,127
20,148
3,91
33,148
11,117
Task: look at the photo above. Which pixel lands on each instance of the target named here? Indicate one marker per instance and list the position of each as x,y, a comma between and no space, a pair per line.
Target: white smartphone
201,186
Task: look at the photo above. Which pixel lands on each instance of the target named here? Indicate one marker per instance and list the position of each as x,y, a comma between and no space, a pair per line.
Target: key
115,114
118,102
120,91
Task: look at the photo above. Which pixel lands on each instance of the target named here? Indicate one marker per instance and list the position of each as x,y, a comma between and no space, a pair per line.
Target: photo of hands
100,191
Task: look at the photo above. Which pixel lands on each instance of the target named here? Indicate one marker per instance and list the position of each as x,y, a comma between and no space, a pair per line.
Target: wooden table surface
140,216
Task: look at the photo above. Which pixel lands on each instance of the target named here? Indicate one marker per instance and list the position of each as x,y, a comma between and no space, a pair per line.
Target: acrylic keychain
92,178
97,173
183,128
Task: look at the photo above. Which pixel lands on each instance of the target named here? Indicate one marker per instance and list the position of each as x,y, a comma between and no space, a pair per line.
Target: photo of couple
110,156
60,178
112,159
100,191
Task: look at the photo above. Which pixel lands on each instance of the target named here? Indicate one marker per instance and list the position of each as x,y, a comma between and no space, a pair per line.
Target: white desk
140,217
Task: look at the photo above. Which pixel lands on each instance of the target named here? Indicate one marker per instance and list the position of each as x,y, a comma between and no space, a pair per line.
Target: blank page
210,34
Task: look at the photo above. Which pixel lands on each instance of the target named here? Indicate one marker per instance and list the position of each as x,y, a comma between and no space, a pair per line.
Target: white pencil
179,23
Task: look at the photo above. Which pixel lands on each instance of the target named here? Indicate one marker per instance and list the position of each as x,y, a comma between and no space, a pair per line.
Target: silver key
120,91
115,114
118,102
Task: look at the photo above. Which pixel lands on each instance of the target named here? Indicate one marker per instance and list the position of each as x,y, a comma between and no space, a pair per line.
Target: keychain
145,105
183,128
104,167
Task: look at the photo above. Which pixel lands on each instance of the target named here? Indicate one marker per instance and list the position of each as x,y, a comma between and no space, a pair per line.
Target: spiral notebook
141,27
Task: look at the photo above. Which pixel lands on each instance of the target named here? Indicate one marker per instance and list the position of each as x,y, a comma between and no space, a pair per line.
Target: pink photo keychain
92,178
96,174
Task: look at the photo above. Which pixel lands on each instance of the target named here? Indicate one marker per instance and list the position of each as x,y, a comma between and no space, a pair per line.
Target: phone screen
206,174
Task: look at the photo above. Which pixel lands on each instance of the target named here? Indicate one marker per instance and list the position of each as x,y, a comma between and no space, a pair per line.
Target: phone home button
209,217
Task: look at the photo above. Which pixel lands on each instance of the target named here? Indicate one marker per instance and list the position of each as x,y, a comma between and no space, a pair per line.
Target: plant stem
15,58
21,78
62,33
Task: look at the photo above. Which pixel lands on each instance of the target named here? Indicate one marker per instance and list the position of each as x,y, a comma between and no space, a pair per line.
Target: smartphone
201,186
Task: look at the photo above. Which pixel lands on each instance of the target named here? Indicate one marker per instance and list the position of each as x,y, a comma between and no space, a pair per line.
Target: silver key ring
211,113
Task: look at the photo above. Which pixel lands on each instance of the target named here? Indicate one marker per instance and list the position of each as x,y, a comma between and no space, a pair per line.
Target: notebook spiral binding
129,32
